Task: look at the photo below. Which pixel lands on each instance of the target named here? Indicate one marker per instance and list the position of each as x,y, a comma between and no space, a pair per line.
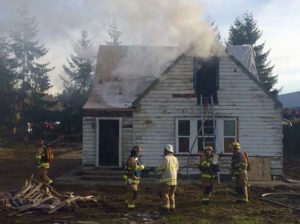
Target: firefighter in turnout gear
209,168
239,171
132,176
43,158
168,180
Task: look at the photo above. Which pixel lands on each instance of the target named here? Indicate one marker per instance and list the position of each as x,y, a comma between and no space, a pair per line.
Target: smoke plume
177,23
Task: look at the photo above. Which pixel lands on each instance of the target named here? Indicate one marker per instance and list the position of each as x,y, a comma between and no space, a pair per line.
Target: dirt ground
18,164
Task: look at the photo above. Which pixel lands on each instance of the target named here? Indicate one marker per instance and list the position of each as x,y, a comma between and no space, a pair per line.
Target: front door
108,142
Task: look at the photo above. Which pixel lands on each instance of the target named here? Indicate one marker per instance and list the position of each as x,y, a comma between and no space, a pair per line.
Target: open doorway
108,142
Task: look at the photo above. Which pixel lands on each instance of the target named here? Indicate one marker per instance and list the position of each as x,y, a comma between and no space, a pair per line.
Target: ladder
206,111
207,104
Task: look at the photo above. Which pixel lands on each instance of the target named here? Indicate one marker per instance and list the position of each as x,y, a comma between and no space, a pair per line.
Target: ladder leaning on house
206,111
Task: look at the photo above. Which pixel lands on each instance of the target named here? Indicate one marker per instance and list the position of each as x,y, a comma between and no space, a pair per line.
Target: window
184,135
229,134
187,130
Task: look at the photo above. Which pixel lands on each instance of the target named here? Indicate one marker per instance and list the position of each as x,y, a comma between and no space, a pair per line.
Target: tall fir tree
31,75
114,35
79,71
79,68
7,93
245,31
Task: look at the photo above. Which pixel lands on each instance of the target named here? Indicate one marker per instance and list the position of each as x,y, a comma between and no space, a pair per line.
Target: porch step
111,175
102,173
101,178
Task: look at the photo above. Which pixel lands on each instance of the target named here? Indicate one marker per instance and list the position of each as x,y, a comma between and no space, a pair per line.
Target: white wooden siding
259,122
88,141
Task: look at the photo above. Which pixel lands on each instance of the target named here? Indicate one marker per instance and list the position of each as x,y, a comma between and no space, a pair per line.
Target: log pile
36,196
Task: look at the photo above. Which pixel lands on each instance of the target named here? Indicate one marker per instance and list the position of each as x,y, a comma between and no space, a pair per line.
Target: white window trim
222,136
97,139
193,133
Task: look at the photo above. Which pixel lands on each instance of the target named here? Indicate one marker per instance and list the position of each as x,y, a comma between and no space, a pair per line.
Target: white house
144,96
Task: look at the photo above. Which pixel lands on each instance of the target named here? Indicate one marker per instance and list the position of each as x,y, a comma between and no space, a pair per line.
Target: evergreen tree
114,35
31,75
79,70
245,31
7,93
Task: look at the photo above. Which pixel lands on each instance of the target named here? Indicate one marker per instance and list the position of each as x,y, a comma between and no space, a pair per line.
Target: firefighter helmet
169,148
136,148
236,145
40,142
208,148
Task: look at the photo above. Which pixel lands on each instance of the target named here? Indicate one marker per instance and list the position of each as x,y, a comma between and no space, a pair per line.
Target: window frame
193,132
223,134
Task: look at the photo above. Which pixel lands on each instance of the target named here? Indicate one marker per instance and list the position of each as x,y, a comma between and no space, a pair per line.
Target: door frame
97,139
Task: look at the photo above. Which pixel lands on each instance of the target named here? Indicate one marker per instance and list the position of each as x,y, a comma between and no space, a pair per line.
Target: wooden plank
62,204
33,190
260,169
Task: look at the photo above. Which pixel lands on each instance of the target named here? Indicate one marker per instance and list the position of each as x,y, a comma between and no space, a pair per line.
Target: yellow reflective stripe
239,172
166,206
168,181
203,163
44,165
206,175
131,181
130,205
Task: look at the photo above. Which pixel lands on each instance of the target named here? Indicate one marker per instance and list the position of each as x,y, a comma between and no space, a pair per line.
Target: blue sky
142,22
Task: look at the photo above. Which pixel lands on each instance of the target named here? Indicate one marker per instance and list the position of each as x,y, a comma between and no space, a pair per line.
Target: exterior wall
259,122
88,141
154,122
89,147
126,138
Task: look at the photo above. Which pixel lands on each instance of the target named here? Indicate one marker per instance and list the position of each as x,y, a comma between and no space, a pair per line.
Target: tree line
24,79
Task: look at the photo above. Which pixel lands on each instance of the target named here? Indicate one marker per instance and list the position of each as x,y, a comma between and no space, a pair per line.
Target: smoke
177,23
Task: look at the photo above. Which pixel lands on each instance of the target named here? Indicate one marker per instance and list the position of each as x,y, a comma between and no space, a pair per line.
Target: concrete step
102,172
101,178
114,177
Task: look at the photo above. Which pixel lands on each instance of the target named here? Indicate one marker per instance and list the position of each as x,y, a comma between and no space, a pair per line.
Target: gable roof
123,73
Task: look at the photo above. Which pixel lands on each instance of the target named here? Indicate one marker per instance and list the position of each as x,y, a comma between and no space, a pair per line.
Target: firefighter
43,158
168,180
133,175
239,171
209,169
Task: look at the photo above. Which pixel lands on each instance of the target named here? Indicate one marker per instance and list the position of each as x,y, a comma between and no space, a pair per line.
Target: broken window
206,78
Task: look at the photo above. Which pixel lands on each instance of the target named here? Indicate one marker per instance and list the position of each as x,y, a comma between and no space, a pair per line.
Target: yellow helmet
236,145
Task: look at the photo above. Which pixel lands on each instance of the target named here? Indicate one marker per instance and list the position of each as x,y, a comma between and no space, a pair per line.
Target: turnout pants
241,186
207,183
168,196
131,195
43,170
